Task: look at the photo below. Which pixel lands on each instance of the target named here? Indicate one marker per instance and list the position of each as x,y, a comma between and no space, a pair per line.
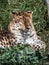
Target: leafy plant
20,55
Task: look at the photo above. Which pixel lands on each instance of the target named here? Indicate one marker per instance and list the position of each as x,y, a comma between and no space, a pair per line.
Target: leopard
24,31
21,31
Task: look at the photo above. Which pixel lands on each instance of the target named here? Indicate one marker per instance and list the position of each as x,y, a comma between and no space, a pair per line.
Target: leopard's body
22,29
6,39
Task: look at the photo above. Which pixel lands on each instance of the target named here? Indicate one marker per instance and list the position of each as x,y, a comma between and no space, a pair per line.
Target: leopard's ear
16,14
13,14
30,12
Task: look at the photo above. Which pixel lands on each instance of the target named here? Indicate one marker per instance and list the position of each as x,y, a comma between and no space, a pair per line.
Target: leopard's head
21,20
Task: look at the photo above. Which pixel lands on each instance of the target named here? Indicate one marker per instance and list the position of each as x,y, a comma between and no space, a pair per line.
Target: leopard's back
6,39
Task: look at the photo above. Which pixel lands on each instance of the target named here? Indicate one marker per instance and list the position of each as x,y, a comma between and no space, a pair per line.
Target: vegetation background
40,15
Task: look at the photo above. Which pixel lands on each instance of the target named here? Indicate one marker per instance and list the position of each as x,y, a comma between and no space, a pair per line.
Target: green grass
21,55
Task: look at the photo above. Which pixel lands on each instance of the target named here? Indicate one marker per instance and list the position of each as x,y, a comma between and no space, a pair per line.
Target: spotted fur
6,39
22,31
